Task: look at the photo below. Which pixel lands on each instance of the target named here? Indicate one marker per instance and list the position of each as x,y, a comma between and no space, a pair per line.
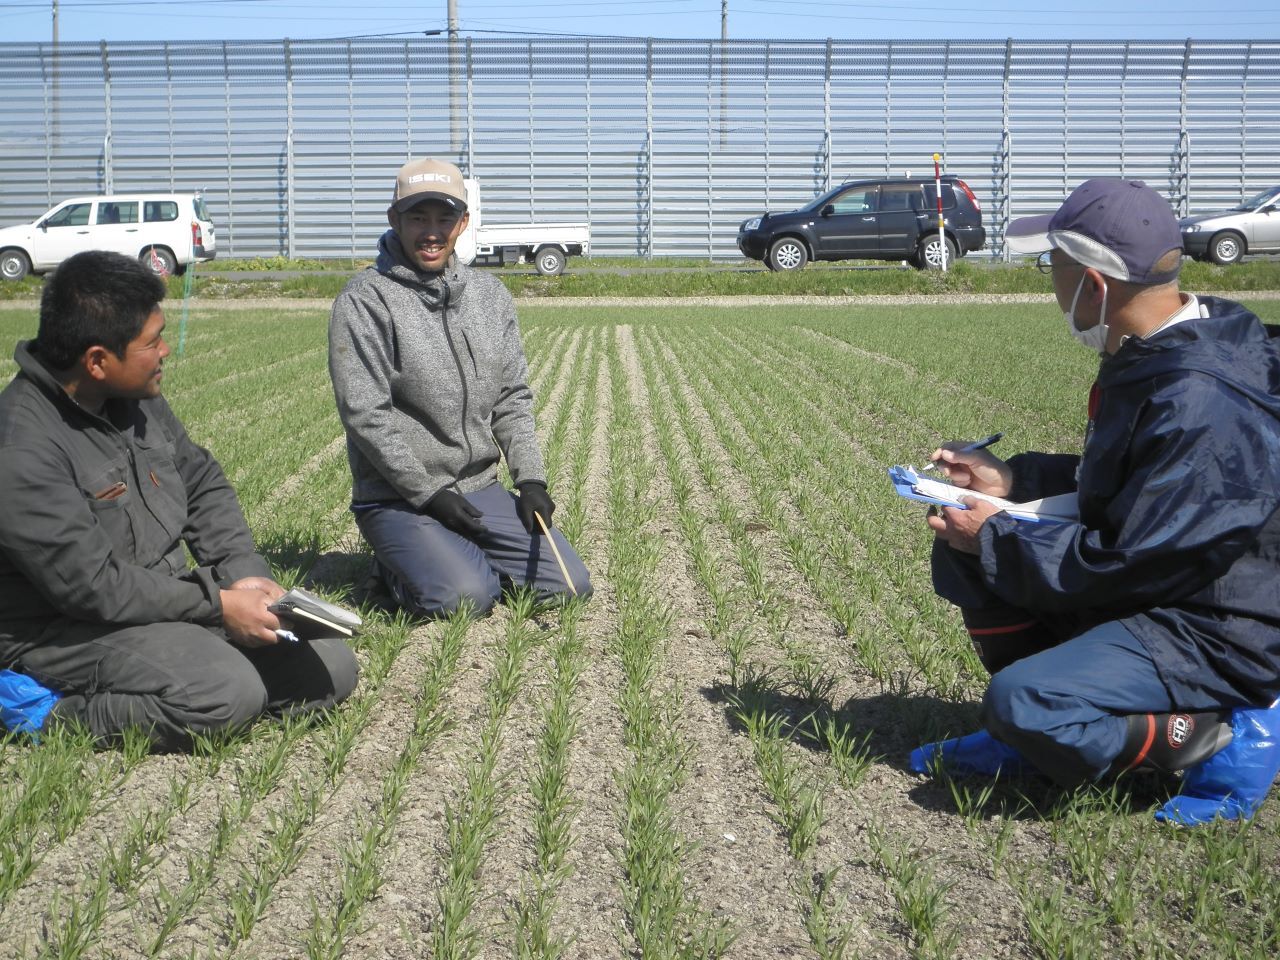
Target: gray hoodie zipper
445,294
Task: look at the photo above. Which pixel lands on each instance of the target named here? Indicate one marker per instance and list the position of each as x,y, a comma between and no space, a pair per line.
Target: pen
969,448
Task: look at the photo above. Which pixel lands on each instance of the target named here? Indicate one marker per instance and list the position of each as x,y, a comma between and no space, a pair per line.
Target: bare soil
970,857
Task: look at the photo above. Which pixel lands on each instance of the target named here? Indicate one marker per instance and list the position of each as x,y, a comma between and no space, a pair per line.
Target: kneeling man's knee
478,594
234,698
340,664
437,593
581,581
569,577
478,602
1002,712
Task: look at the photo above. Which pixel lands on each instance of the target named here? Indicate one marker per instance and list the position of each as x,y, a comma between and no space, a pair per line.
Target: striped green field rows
705,759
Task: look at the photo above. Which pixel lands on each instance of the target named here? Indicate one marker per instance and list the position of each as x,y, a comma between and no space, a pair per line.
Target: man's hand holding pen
969,465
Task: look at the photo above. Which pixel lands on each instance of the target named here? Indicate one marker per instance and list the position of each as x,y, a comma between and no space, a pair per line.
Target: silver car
1251,227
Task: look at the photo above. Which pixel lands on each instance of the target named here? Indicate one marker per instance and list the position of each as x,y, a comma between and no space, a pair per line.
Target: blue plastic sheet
1231,784
977,754
24,704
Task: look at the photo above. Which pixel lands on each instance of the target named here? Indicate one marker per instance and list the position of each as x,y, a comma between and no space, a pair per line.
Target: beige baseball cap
429,179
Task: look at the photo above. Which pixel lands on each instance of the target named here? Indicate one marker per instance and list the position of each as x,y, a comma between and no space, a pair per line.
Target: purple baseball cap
1121,228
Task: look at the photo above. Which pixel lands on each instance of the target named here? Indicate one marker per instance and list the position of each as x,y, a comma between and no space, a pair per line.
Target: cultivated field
707,759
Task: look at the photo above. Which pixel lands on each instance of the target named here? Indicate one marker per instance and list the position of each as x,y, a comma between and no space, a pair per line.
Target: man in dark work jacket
102,488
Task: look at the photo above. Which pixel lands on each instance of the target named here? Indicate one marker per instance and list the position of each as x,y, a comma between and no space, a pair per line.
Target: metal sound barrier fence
664,146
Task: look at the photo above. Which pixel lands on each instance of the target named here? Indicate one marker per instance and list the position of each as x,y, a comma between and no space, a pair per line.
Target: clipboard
1063,508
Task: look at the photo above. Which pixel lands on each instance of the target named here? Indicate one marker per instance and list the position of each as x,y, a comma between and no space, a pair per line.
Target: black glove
455,512
534,498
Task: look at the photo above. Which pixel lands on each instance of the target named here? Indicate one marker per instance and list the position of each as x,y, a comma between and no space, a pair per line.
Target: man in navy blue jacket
1129,638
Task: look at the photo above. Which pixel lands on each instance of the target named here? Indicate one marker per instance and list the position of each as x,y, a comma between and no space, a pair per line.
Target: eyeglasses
1044,263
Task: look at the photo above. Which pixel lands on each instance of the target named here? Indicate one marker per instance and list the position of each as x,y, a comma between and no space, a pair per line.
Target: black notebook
310,616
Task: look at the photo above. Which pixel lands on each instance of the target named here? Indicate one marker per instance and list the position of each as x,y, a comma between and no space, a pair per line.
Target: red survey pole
937,189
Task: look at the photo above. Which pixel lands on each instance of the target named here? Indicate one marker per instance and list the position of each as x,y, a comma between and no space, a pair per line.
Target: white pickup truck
545,245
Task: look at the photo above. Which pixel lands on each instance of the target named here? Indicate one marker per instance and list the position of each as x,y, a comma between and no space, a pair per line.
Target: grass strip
655,278
771,457
50,791
661,914
553,807
286,839
920,897
797,801
471,823
361,875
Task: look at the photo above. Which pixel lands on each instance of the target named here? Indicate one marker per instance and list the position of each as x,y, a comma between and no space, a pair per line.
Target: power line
512,19
83,4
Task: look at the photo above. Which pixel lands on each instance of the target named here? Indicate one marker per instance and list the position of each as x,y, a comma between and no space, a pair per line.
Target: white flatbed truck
546,245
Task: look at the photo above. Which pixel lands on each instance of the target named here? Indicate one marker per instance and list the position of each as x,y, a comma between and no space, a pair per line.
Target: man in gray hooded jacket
431,383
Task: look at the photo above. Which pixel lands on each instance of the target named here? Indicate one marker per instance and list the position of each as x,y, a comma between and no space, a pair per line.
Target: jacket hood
437,287
1207,345
29,362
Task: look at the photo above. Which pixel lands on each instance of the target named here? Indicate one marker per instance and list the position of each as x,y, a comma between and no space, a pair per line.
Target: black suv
891,219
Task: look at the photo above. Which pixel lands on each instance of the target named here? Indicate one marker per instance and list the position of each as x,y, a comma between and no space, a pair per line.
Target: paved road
207,273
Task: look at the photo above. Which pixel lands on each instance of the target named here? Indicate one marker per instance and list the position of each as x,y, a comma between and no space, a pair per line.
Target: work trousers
432,571
1060,692
178,679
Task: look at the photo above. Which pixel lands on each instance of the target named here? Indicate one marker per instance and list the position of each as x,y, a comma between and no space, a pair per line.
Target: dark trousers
432,571
1065,708
1060,690
176,679
1000,632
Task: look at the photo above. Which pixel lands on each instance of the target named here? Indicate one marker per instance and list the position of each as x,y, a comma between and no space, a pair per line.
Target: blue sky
91,20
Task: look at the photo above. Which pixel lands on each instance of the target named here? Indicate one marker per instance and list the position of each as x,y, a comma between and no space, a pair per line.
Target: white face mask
1095,338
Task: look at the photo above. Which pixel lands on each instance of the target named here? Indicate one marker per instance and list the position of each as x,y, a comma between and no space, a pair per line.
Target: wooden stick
556,551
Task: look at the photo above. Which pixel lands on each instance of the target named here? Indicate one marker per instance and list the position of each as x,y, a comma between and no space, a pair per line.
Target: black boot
1172,741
